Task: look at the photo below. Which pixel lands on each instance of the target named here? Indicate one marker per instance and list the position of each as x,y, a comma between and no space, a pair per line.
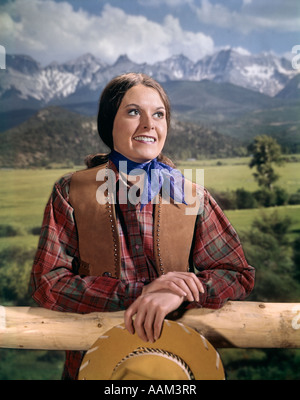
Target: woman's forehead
141,95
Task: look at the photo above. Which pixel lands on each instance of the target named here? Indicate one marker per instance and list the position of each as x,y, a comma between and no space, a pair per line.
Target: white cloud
254,15
49,31
215,14
169,3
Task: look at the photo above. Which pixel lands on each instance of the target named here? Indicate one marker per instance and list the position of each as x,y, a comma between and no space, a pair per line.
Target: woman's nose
147,122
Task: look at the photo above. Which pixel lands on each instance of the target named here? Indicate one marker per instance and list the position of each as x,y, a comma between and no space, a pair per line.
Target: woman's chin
142,155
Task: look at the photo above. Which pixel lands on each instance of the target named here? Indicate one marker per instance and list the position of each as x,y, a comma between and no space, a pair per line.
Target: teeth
144,139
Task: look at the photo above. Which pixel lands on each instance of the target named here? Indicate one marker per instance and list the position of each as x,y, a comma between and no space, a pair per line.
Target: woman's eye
159,114
133,112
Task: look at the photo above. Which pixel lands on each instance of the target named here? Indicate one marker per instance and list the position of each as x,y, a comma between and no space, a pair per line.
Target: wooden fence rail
237,324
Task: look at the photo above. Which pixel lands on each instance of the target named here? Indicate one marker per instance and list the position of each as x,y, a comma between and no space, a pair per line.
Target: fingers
195,287
160,297
149,311
175,285
185,284
128,315
144,325
147,322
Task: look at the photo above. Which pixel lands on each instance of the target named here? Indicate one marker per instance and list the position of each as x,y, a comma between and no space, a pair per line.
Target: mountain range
26,84
228,98
56,136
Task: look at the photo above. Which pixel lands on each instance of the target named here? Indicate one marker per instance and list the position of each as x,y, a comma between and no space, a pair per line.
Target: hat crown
143,364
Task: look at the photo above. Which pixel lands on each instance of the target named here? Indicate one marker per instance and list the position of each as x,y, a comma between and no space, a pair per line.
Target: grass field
24,193
234,173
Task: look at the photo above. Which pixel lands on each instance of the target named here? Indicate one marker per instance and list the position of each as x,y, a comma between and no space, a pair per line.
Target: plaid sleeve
53,282
219,258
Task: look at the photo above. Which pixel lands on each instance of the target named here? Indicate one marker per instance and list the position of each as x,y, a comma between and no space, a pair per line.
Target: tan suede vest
99,243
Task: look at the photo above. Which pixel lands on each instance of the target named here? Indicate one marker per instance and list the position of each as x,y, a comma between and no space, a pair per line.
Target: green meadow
24,193
234,173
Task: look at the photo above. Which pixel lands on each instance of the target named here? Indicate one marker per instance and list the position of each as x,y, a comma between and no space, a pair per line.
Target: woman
144,257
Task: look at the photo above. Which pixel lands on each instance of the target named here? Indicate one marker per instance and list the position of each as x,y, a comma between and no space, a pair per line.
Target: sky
146,30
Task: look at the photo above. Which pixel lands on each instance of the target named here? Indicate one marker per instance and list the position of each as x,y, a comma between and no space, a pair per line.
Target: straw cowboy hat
180,353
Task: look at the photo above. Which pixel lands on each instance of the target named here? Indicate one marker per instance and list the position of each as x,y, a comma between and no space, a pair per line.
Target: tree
15,266
265,152
269,249
296,257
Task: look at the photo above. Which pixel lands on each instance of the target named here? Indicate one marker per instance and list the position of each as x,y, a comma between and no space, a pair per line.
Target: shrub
265,198
15,267
245,199
296,257
268,248
35,230
294,198
281,196
226,200
11,230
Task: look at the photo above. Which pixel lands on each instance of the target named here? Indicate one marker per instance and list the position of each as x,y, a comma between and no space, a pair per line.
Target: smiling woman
148,257
117,101
140,126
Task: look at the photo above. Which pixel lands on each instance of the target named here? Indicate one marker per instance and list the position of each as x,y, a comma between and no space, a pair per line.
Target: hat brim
110,348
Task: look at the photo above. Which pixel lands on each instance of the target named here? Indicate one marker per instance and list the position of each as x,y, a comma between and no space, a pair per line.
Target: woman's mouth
145,139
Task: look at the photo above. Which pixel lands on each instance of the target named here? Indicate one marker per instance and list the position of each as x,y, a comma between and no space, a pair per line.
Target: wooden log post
237,324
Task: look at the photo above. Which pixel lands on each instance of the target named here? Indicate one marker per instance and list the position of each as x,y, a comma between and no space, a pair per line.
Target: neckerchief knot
158,176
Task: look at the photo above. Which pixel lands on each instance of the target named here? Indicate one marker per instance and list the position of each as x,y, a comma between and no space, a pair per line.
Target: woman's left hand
150,310
181,283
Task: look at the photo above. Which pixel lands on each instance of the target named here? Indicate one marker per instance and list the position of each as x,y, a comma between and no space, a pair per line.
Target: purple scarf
159,176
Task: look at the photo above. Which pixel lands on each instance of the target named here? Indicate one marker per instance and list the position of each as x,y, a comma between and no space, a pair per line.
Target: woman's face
140,126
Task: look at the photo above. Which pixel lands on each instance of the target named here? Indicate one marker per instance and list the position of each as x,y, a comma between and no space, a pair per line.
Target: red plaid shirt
217,255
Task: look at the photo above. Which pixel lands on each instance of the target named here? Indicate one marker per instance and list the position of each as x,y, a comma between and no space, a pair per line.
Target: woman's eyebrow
137,106
132,105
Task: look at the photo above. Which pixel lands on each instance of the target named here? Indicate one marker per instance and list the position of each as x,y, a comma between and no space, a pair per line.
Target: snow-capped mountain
26,82
264,73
